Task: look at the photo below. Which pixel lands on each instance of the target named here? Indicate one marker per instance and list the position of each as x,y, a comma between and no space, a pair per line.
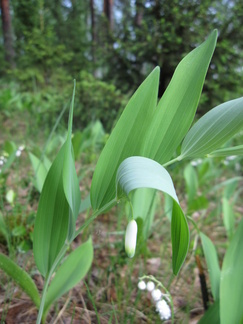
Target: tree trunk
108,12
93,34
139,13
7,33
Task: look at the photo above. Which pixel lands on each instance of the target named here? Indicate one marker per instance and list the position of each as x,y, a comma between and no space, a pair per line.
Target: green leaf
190,176
126,139
21,277
41,170
228,217
231,282
85,204
177,107
73,269
70,179
214,129
154,133
19,231
139,172
52,219
212,315
212,264
234,150
144,204
58,206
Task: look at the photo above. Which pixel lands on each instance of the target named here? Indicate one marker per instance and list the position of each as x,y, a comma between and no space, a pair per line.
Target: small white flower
156,295
22,147
131,238
1,162
142,285
150,286
18,153
164,310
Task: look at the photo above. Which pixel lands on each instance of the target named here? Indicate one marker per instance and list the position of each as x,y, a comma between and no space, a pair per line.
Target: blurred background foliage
110,46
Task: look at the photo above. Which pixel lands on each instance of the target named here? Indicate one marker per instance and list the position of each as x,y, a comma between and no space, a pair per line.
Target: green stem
177,159
95,214
47,281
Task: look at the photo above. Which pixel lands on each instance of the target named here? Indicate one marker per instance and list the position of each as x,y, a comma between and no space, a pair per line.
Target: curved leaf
139,172
212,264
73,269
231,282
21,277
214,129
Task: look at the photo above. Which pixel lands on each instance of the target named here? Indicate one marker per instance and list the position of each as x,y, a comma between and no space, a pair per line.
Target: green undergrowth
110,292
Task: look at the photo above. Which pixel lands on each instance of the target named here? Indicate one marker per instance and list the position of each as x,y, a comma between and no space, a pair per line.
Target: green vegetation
72,180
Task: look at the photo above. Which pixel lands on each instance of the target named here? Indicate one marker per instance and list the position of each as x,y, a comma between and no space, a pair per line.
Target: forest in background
109,47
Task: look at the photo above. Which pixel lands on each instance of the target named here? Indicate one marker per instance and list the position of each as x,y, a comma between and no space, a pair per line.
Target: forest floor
109,293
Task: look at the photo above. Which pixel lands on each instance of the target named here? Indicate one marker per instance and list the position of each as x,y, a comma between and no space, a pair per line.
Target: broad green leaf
212,315
126,139
21,277
155,133
177,107
231,281
41,169
144,204
73,269
70,179
234,150
212,264
139,172
52,219
214,129
228,217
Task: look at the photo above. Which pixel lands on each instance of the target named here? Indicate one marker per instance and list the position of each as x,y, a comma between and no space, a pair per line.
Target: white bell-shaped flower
131,238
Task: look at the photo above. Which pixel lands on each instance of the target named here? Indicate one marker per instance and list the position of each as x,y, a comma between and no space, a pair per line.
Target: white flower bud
142,285
150,286
131,238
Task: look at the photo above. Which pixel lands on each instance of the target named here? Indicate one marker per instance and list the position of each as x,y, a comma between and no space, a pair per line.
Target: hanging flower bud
131,238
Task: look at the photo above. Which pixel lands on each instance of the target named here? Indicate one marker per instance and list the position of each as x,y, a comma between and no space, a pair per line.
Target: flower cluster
158,297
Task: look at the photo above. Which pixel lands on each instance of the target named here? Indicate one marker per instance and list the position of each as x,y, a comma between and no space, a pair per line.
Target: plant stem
47,281
177,159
